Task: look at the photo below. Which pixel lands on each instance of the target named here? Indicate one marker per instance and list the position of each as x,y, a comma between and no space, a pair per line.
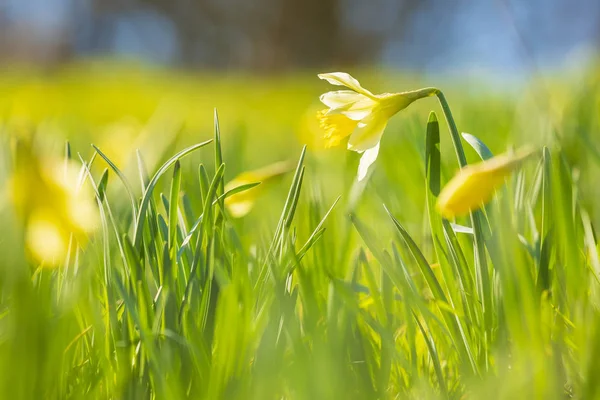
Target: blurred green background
359,317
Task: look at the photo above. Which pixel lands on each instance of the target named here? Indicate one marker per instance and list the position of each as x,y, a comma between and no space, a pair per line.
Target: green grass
329,289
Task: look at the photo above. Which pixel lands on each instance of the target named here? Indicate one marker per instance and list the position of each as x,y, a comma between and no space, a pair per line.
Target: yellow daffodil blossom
475,185
52,205
361,115
240,204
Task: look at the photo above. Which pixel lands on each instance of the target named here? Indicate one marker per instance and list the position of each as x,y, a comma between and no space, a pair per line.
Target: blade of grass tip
102,184
142,170
284,237
292,194
139,225
84,172
480,148
238,189
280,224
173,203
123,178
295,198
218,153
108,209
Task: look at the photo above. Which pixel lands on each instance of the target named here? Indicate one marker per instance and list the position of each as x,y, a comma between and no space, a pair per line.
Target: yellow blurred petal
344,79
82,214
476,184
239,209
240,204
48,198
46,241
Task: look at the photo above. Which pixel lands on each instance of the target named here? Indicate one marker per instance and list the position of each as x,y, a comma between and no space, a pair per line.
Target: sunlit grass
324,287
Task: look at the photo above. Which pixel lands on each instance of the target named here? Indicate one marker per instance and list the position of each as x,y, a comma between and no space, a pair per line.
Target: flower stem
483,276
460,153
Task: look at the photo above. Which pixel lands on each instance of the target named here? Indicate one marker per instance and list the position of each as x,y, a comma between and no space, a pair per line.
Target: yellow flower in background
475,185
52,204
240,204
361,115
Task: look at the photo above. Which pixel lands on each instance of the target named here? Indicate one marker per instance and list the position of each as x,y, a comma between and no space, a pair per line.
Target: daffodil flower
361,115
475,185
52,205
240,204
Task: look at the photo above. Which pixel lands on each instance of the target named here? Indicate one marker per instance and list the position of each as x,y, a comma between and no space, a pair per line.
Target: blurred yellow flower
475,185
52,205
240,204
361,115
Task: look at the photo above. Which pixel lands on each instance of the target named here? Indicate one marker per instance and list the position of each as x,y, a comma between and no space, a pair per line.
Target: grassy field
147,283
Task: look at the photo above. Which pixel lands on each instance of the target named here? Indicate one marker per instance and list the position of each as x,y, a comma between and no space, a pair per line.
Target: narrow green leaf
480,148
139,225
173,203
123,178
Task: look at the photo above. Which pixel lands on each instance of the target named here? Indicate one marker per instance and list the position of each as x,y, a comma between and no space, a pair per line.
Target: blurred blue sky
496,36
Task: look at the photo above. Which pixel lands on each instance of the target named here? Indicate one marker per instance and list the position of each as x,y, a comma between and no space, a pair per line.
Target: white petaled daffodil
361,115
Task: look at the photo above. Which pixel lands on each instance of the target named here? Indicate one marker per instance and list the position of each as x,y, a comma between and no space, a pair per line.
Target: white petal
356,111
367,159
360,110
341,98
367,133
344,79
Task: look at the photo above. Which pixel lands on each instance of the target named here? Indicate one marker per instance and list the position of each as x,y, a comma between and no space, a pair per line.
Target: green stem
484,283
460,153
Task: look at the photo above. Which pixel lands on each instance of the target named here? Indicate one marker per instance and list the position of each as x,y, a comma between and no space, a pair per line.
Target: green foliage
338,297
